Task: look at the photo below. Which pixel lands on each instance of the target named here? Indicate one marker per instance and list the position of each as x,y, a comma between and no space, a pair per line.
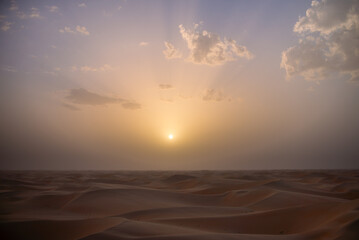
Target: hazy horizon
179,85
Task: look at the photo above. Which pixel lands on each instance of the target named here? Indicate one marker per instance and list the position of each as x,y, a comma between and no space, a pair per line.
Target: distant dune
196,205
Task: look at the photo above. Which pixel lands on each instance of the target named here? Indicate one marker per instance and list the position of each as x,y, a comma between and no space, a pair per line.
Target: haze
239,84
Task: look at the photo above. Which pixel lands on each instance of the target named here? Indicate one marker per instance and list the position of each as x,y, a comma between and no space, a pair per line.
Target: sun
170,136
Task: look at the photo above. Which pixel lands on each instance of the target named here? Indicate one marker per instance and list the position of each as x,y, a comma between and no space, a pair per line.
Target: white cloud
5,26
171,52
208,48
53,8
66,30
328,42
142,44
79,29
82,30
82,5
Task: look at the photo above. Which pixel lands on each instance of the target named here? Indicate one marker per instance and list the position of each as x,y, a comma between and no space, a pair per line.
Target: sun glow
170,136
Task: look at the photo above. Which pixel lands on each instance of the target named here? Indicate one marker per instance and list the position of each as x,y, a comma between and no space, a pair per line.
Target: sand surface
201,205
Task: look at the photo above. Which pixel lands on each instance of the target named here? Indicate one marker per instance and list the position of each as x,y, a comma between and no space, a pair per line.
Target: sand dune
203,205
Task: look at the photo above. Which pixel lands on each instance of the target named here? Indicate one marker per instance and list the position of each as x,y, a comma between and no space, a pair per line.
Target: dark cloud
71,107
165,86
84,97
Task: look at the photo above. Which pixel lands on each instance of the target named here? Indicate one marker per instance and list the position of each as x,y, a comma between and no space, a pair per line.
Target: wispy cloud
82,96
208,48
7,68
79,29
53,8
85,97
13,6
71,107
131,105
171,52
215,95
328,42
85,69
82,30
82,5
66,30
165,86
5,26
142,44
34,13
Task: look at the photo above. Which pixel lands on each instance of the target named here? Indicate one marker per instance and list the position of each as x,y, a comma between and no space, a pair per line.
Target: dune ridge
196,205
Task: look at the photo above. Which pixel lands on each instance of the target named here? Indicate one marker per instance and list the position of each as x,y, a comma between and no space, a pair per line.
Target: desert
203,205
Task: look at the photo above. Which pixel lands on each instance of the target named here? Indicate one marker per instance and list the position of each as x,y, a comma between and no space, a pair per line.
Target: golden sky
238,84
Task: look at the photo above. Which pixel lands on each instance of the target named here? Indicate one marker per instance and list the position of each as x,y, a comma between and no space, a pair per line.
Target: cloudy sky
239,84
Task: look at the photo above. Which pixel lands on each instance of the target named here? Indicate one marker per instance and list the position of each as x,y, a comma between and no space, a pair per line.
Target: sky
100,85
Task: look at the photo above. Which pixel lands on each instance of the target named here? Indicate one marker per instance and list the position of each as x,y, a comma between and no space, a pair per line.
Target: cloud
13,6
79,29
171,52
7,68
328,43
208,48
85,69
34,13
66,30
71,107
5,26
142,44
84,97
82,30
165,86
53,8
215,95
131,105
82,5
